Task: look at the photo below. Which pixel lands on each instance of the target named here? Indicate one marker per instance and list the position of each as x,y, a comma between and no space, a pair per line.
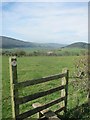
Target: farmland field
36,67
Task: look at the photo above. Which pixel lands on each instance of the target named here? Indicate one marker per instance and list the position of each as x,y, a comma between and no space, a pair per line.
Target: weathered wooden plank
41,113
64,92
63,82
51,115
40,80
46,112
38,95
38,109
14,90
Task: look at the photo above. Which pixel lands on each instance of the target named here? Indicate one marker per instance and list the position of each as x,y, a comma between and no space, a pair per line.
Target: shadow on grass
78,113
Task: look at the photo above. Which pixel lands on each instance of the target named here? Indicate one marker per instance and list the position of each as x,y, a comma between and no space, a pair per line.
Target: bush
19,53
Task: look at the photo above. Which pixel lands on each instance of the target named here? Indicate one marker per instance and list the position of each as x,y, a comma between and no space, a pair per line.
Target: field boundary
16,100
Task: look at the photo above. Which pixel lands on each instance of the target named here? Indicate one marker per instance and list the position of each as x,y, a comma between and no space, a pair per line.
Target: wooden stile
16,100
38,109
14,90
46,112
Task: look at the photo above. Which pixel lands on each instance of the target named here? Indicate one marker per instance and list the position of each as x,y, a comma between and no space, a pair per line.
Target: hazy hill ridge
78,45
8,43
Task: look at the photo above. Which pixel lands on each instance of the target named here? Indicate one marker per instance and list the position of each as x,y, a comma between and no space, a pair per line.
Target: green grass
36,67
71,51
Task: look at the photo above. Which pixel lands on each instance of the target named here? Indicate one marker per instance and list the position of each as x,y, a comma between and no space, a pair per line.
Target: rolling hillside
14,43
82,45
8,43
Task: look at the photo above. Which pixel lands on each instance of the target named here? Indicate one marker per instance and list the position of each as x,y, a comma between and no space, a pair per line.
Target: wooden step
46,112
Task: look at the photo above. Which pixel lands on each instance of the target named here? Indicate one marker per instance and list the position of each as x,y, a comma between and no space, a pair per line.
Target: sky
45,22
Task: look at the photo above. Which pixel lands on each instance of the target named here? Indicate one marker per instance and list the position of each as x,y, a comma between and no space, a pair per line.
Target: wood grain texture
14,90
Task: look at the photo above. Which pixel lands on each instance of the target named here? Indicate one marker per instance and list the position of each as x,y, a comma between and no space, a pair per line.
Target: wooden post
14,90
64,92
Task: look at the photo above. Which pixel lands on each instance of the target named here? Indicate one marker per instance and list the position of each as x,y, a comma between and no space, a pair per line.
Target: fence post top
13,58
13,61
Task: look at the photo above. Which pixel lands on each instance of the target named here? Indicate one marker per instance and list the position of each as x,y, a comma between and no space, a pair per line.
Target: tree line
40,53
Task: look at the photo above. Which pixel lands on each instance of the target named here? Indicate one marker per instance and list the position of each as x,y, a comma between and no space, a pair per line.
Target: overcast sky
46,22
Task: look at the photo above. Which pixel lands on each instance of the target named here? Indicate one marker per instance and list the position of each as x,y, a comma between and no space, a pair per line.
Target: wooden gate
16,100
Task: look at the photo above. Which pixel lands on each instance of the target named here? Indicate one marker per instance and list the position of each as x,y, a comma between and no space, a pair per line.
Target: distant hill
8,43
82,45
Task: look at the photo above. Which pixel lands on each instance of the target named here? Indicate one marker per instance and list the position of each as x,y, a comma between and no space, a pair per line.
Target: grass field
39,66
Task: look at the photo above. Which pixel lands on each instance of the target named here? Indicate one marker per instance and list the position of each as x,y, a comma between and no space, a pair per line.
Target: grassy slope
35,67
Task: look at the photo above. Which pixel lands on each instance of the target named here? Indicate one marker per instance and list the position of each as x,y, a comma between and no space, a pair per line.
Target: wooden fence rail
16,100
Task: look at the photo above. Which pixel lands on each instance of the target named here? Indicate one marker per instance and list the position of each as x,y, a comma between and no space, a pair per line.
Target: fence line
16,100
40,80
